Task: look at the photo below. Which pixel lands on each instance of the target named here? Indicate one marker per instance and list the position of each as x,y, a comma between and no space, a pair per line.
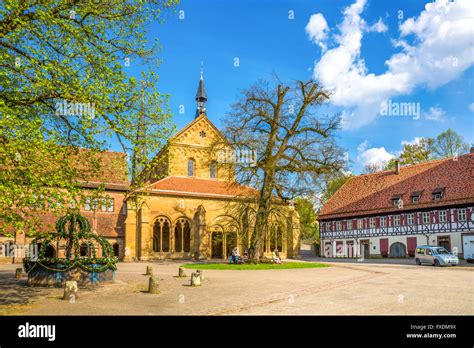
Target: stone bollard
201,274
153,286
19,273
181,272
70,290
195,279
149,270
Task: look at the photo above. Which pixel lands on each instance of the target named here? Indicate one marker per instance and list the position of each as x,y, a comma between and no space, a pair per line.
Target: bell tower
201,97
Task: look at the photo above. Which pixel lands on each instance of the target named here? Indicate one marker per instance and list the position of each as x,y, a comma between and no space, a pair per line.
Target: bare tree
291,145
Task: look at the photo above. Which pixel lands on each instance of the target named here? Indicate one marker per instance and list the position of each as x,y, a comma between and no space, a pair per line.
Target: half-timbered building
389,213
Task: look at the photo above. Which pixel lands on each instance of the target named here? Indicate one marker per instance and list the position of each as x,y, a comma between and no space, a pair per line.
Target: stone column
146,232
201,242
130,233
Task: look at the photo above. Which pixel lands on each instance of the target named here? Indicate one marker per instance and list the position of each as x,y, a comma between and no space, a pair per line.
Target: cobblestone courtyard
343,288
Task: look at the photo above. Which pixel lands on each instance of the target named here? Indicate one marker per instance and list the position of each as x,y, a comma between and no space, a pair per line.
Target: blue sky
342,46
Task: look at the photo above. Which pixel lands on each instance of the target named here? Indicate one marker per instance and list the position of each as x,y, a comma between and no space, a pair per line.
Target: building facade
389,213
191,207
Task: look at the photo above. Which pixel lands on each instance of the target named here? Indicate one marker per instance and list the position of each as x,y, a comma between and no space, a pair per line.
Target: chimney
397,166
471,150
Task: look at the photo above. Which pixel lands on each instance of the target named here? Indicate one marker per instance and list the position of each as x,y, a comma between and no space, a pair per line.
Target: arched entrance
398,250
217,245
182,235
230,243
161,235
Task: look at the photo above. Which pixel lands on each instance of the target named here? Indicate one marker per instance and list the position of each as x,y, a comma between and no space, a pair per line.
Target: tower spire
201,96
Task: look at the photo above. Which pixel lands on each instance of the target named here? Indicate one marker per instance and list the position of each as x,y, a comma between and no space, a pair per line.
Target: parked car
435,255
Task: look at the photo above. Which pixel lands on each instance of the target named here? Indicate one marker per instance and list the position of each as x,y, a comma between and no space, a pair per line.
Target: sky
376,57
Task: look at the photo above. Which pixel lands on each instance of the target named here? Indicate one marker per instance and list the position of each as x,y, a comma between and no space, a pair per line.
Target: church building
193,208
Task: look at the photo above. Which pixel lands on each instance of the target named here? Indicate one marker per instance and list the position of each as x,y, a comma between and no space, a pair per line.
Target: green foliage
332,186
73,228
449,144
64,86
308,225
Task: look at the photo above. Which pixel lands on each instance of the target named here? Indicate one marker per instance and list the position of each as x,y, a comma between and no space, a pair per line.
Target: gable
200,132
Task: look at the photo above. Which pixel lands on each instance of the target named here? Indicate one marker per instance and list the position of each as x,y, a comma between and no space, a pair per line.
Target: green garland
72,227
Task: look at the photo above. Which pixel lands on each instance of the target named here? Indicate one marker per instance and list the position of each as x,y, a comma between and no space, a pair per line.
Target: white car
435,255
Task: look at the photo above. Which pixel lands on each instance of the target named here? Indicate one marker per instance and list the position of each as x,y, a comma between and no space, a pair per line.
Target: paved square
343,288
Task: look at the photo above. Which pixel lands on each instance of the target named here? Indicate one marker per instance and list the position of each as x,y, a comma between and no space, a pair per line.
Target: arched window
116,249
191,167
213,170
182,236
161,235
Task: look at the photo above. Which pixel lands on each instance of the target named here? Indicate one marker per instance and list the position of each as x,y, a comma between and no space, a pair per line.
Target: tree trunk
261,222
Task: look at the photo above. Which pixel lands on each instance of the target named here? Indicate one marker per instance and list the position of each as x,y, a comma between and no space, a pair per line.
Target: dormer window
397,200
415,197
438,193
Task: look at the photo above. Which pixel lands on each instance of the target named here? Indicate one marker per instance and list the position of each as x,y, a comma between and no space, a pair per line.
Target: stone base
43,277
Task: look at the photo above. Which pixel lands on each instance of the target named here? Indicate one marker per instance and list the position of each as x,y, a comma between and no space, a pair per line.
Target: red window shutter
416,218
436,216
402,219
448,215
431,217
377,222
455,215
411,245
384,246
354,224
322,226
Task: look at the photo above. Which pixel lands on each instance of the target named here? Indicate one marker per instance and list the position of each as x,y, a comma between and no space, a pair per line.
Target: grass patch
261,266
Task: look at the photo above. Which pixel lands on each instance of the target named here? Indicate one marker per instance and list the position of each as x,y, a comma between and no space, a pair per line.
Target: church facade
192,207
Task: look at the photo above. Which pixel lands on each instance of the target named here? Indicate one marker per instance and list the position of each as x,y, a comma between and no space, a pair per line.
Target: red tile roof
187,186
111,171
373,193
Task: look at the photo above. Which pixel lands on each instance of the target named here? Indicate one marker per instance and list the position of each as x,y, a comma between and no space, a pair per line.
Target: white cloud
435,114
471,107
415,141
372,155
442,51
378,27
317,29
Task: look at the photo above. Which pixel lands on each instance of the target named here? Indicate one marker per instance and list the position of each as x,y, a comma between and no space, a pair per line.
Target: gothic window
191,167
161,235
182,236
212,169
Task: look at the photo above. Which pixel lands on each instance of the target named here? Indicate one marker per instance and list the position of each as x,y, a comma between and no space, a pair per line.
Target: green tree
449,144
308,225
294,144
64,86
332,186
